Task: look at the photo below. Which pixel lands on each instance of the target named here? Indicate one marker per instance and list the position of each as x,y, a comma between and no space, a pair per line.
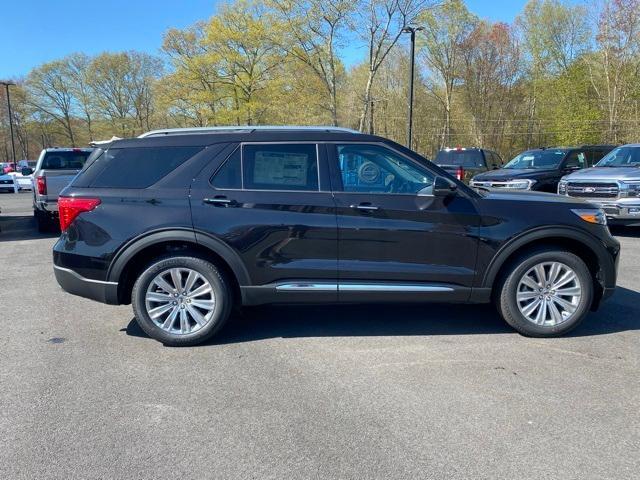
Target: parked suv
464,163
186,225
54,170
541,169
613,184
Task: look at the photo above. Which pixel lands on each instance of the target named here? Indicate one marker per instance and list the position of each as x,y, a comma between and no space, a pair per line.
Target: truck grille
593,190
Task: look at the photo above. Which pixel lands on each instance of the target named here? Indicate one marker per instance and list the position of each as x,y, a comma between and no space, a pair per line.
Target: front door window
375,169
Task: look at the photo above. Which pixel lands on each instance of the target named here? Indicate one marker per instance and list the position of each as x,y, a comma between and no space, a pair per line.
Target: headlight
562,187
591,215
632,189
524,184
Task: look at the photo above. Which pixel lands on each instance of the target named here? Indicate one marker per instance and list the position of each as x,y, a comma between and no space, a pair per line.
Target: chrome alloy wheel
549,294
180,301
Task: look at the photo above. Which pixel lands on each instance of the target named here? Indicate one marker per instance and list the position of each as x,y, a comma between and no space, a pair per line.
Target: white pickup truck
55,169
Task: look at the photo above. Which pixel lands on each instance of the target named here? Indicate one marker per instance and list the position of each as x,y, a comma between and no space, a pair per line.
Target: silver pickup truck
55,169
613,184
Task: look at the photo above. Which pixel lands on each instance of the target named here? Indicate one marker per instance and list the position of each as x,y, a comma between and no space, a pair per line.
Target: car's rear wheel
181,301
546,293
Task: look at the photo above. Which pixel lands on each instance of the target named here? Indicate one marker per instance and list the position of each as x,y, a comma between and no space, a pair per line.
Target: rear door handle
366,206
222,201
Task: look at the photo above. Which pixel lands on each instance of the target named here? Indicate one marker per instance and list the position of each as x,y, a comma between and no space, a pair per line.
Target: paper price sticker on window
280,168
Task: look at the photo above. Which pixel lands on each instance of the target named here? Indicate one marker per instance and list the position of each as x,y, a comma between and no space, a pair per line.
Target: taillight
460,173
70,207
42,185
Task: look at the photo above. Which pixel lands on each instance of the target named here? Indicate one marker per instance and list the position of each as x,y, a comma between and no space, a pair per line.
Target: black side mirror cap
443,187
26,171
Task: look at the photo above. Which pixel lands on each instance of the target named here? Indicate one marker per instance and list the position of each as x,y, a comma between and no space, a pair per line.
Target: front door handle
365,206
219,200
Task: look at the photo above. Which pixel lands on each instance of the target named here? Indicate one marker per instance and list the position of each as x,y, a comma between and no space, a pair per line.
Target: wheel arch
579,243
134,256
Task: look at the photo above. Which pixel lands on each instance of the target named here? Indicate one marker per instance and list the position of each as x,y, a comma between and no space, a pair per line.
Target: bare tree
77,73
385,21
490,69
615,66
311,32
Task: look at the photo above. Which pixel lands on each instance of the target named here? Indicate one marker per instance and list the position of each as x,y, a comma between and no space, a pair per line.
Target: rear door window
138,167
280,167
72,160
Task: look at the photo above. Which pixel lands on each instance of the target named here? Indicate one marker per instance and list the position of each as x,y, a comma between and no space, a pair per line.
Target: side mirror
571,168
26,171
443,187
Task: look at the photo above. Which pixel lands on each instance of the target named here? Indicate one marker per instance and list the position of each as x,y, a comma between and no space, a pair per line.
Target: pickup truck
463,163
55,169
613,184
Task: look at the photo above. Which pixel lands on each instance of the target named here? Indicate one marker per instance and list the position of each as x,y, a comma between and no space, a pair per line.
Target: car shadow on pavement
258,323
21,228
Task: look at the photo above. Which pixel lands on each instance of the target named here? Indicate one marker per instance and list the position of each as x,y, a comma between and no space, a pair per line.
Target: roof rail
240,129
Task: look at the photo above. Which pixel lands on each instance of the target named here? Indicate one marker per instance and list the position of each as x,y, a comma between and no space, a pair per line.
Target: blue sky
36,31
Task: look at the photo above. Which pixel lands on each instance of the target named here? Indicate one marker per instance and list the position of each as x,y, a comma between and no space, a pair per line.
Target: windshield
537,159
621,157
460,158
73,160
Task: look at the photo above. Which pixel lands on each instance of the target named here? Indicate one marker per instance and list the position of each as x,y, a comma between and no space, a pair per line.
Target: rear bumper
47,206
74,283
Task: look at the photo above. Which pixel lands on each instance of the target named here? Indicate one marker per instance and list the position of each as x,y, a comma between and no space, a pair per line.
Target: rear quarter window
138,167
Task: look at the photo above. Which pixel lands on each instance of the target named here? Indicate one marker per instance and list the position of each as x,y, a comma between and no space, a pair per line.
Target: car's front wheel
181,300
546,293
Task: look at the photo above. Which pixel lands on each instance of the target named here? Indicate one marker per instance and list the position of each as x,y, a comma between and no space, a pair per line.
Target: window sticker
280,168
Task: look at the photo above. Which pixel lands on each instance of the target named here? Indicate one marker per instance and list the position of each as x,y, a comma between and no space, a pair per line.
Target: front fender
606,254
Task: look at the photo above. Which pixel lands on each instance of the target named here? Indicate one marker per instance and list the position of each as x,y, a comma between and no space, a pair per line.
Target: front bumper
74,283
624,210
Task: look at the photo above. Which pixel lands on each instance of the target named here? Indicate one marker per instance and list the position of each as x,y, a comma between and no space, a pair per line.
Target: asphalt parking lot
309,392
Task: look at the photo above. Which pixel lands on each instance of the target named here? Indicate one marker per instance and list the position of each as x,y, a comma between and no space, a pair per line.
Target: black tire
221,289
506,300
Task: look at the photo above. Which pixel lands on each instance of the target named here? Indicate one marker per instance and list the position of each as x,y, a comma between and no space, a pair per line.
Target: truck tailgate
57,180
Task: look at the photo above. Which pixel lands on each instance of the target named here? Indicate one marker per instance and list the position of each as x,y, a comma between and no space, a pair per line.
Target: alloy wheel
180,301
549,294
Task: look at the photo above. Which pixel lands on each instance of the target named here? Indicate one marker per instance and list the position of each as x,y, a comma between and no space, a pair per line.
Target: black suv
186,225
541,169
464,163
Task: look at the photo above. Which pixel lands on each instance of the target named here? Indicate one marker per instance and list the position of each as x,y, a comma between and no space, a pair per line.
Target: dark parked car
186,225
541,169
464,163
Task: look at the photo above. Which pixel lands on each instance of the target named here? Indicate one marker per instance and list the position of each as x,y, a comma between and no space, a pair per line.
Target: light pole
412,31
13,145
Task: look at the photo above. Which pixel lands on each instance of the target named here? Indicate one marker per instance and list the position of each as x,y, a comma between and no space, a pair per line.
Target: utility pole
13,145
412,31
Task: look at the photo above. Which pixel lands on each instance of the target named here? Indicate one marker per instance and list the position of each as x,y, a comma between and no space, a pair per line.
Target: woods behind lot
562,73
